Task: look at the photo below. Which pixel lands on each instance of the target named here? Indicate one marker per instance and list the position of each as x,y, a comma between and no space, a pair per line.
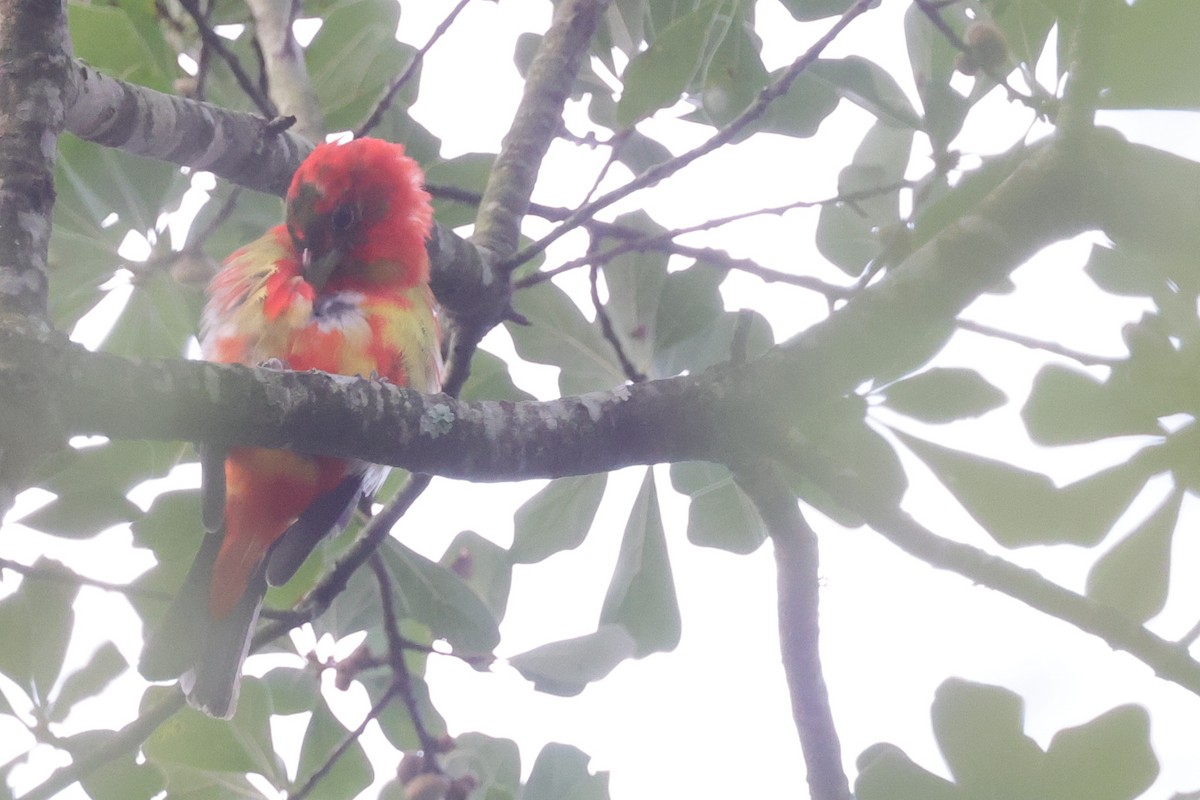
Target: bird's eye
344,217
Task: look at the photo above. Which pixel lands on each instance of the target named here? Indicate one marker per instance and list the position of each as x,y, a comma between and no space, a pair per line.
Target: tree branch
287,76
1169,660
796,561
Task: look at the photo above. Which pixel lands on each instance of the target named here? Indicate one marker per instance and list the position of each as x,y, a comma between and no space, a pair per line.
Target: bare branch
722,137
1170,661
606,328
1037,344
796,562
216,45
283,60
401,80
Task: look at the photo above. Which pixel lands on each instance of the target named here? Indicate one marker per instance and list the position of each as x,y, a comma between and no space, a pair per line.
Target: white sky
712,718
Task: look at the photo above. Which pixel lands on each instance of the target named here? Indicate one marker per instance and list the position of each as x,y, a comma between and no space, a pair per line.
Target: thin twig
1037,344
213,41
385,102
725,135
606,328
401,677
350,739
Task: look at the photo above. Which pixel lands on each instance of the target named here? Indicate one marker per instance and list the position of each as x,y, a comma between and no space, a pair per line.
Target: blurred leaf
932,57
157,321
194,740
490,380
1132,577
117,465
79,515
468,172
713,345
885,772
37,620
689,302
1126,270
560,336
635,284
350,773
435,596
560,772
735,74
103,180
943,394
1066,406
801,110
557,518
980,732
121,778
292,691
565,667
89,680
657,76
122,43
483,566
720,514
808,10
494,763
641,595
849,233
1109,758
353,58
639,152
868,85
1026,25
1146,48
1018,507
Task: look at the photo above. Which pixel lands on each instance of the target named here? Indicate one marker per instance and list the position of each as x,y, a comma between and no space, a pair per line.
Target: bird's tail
204,652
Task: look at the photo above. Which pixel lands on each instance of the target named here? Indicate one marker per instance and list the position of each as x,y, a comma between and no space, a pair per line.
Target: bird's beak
318,267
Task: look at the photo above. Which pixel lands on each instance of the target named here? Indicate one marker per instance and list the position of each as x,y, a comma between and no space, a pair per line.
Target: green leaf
490,380
292,691
349,774
353,58
1132,577
979,730
120,778
1066,406
197,742
720,514
468,172
635,284
657,77
801,110
851,233
37,620
932,57
1145,50
112,40
809,10
435,596
868,85
639,152
559,335
484,566
560,772
104,665
81,514
735,74
566,667
885,772
1109,758
689,303
1018,507
494,763
641,595
557,518
943,394
103,180
1026,25
157,321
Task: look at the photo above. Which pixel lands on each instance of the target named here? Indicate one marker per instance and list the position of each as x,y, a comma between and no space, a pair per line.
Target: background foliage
660,307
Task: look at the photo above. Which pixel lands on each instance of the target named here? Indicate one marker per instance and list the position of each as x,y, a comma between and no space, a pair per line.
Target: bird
342,286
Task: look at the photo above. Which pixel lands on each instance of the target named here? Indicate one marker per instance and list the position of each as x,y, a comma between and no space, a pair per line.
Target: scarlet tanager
342,287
